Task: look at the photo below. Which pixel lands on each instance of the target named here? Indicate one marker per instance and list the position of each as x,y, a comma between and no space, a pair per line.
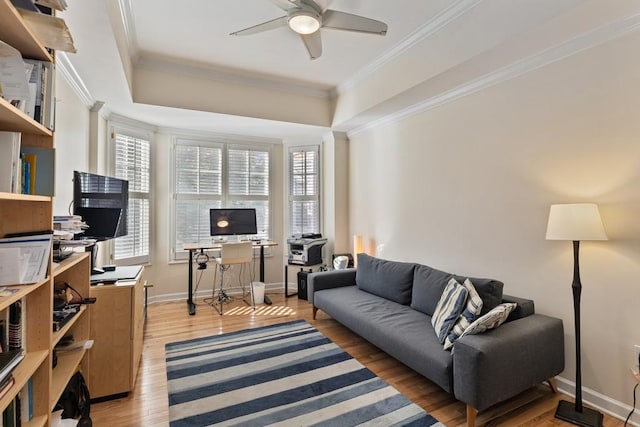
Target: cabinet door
110,357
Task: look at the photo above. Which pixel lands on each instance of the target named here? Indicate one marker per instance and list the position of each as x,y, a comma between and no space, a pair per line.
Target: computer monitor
233,222
102,201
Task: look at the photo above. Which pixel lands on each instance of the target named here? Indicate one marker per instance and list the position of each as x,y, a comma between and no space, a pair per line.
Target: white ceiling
196,32
468,43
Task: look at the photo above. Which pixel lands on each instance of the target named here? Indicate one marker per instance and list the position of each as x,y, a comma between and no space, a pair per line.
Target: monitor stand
94,253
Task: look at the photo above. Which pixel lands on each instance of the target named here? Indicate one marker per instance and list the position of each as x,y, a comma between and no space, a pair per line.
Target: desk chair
232,254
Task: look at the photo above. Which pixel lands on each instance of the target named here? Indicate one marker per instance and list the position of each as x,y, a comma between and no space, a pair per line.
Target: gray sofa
390,304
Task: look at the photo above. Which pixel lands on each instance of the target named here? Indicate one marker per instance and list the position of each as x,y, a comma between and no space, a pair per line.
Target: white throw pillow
467,317
491,320
449,307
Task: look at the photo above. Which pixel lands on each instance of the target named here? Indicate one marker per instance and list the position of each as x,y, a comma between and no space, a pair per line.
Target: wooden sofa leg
553,384
315,310
472,413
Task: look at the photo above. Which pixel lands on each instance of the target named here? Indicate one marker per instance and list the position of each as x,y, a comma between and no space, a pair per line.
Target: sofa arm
491,367
328,280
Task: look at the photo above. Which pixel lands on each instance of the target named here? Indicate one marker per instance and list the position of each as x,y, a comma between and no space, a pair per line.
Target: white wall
466,188
71,143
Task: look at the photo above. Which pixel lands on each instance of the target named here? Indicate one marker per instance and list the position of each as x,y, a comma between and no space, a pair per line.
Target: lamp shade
577,222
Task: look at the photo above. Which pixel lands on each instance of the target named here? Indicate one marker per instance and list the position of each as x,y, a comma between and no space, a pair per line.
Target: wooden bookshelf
21,213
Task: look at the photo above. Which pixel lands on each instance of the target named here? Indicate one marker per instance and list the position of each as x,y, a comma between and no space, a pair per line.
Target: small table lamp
576,222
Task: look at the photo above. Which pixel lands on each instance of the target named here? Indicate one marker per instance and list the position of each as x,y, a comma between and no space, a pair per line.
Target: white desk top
218,245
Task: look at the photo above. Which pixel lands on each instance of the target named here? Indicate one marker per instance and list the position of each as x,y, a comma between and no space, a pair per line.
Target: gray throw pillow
490,291
387,279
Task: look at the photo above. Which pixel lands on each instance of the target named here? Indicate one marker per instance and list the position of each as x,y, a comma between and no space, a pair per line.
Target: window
218,175
132,162
304,190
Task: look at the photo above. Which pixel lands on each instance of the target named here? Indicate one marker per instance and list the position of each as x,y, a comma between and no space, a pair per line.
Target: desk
117,330
194,247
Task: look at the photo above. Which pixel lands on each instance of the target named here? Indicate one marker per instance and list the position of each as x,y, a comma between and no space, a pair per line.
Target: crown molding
128,23
64,66
133,123
211,73
598,36
435,24
179,133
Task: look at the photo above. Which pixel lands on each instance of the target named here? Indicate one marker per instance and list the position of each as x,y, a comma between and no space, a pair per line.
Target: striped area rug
282,375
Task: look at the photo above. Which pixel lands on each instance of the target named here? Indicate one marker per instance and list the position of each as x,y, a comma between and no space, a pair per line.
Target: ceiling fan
306,17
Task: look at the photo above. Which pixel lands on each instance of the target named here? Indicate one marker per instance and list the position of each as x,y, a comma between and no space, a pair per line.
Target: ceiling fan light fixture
304,22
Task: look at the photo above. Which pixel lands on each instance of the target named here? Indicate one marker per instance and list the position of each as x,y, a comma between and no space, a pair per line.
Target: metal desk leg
267,300
190,304
262,263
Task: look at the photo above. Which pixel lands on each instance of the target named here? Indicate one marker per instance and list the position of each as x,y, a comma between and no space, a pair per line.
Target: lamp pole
577,290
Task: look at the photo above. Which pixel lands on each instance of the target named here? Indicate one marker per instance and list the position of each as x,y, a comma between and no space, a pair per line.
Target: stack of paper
24,259
70,225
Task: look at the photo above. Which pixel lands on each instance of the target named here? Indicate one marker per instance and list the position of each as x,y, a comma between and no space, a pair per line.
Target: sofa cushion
491,320
428,284
387,279
470,313
397,329
490,291
449,307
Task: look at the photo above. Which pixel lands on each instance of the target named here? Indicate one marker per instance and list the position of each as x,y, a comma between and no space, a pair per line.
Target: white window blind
218,175
132,162
304,191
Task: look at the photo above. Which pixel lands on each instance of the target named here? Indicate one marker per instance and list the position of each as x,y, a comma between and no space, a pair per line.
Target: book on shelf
6,384
60,5
24,259
10,162
40,172
14,75
25,4
8,362
3,332
26,401
15,326
51,30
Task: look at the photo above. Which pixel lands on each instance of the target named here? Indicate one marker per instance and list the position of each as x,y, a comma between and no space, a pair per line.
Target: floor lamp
576,222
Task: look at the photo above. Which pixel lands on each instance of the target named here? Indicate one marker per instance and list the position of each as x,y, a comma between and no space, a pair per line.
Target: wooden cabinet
21,213
117,327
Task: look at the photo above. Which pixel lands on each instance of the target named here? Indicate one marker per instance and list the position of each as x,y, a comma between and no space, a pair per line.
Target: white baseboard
600,401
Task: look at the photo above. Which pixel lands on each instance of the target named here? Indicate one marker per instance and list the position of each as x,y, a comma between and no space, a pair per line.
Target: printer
306,249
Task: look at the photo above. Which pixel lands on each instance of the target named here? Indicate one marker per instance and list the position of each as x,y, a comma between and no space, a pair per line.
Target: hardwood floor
147,405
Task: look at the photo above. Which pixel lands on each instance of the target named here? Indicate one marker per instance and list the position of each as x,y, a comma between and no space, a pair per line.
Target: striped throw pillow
491,320
469,314
448,309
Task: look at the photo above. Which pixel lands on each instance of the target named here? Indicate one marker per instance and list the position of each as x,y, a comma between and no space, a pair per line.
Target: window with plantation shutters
132,162
218,175
304,191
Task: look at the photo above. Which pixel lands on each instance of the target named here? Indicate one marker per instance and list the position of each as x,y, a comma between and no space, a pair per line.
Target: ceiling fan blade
283,4
346,21
265,26
313,43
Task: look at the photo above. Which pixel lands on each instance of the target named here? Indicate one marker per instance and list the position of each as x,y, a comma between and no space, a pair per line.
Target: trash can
258,292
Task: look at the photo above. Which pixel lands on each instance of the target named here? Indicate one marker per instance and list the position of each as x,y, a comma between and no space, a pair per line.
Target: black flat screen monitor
230,222
102,201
